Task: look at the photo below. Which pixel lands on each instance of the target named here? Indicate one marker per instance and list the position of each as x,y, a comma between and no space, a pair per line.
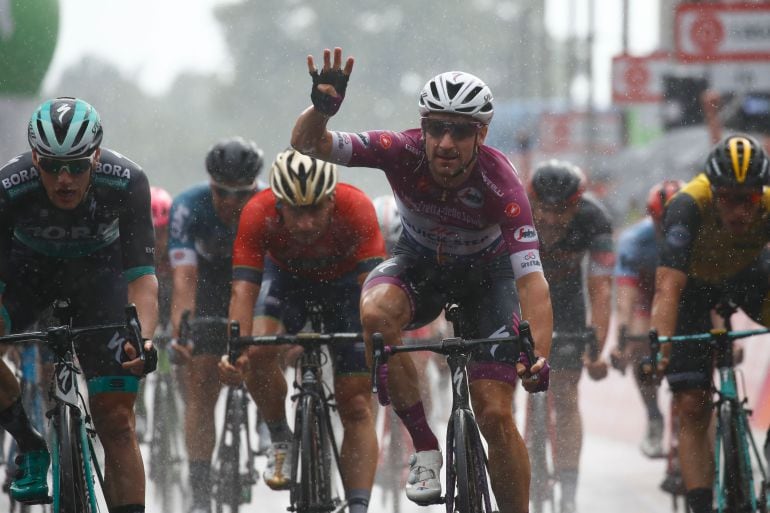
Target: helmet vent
453,89
474,92
80,134
41,133
434,89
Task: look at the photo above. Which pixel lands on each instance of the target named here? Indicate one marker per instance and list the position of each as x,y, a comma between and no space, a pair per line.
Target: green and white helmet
65,128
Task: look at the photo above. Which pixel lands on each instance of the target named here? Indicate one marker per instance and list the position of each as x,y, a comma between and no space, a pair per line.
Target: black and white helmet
457,92
301,180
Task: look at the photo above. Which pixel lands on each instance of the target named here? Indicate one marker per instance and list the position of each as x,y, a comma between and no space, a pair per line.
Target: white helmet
389,218
301,180
456,92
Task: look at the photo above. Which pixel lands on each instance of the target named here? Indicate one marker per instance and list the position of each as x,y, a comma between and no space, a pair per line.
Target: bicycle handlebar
649,365
58,334
236,342
449,346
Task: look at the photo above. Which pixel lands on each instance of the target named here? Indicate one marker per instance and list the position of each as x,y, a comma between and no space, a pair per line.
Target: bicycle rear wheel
72,485
734,486
470,466
314,472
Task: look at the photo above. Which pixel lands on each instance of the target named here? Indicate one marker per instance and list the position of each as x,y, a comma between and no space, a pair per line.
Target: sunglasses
737,198
57,166
225,191
457,130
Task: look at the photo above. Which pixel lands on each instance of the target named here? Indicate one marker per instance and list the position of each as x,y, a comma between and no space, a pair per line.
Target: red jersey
353,242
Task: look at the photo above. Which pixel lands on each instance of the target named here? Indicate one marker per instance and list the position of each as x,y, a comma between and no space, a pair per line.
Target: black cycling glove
324,103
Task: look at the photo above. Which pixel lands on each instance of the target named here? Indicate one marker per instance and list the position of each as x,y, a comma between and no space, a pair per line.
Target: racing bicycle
74,463
737,488
315,488
467,477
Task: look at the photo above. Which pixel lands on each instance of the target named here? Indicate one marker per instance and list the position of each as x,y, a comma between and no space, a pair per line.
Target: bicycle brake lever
235,332
134,330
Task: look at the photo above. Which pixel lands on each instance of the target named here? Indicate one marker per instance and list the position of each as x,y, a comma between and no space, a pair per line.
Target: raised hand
330,83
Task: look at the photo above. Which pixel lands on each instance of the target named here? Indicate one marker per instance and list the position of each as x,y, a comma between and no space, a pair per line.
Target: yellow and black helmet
738,161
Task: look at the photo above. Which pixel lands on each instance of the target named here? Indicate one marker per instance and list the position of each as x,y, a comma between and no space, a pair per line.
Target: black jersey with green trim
698,244
116,209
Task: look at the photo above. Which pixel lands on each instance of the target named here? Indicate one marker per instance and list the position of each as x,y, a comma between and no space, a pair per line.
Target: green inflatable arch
28,33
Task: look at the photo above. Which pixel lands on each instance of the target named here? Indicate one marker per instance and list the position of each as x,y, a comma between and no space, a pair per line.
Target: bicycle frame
732,423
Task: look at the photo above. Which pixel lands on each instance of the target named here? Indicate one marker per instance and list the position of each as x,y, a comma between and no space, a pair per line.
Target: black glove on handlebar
324,103
150,359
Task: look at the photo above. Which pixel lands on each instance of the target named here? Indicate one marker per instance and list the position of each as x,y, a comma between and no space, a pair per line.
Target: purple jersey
485,217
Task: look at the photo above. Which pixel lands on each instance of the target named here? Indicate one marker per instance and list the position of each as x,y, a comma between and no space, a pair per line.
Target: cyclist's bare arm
143,292
535,301
669,284
183,296
242,300
310,135
600,294
627,295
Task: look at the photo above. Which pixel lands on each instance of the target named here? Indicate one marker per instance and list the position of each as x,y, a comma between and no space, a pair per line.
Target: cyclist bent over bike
308,239
76,225
468,236
204,219
715,234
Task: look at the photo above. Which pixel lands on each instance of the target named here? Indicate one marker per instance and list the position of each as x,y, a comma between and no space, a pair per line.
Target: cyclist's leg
566,369
352,388
358,454
636,351
280,308
388,304
689,377
24,298
490,306
508,459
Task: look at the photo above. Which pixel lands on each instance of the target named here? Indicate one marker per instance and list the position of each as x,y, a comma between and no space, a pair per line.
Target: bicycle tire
227,487
735,475
72,493
313,486
468,465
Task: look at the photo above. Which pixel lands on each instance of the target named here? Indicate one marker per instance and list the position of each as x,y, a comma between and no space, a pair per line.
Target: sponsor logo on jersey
386,141
412,149
492,185
423,184
526,233
116,170
102,231
364,138
471,196
512,209
23,176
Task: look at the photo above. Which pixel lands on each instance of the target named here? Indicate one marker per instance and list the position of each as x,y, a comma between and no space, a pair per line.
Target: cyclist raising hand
468,237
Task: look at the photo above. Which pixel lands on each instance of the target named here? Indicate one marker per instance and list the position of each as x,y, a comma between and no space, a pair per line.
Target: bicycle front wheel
72,483
734,486
314,486
470,467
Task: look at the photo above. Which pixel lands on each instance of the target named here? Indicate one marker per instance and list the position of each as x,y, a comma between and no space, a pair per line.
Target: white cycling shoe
423,486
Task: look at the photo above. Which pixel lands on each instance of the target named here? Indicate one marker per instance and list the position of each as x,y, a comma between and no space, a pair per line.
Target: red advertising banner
639,79
722,32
